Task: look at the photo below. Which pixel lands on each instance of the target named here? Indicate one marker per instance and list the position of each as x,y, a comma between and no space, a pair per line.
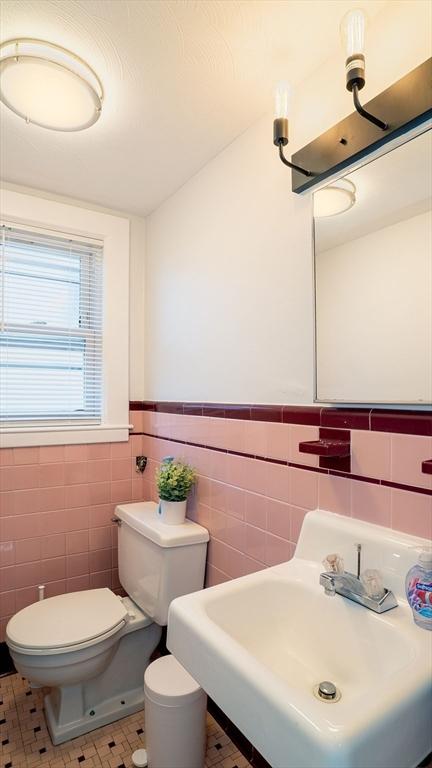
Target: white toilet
93,647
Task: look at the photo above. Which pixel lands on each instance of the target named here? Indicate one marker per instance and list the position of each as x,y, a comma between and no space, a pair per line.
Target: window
51,328
64,323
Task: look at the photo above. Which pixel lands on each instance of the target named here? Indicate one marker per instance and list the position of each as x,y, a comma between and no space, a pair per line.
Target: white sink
260,644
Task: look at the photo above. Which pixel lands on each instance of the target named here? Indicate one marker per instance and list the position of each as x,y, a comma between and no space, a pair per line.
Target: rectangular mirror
373,280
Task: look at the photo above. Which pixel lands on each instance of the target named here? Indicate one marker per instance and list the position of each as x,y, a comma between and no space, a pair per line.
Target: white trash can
175,716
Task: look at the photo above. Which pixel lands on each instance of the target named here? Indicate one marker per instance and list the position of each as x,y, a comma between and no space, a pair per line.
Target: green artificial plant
174,480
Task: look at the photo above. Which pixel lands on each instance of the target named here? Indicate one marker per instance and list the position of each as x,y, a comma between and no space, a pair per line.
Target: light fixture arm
364,113
292,165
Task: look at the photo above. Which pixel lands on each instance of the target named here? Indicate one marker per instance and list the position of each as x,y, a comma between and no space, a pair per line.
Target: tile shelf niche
336,449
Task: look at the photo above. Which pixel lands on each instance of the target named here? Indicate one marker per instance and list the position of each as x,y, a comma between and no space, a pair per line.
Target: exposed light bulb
281,125
282,100
352,29
282,108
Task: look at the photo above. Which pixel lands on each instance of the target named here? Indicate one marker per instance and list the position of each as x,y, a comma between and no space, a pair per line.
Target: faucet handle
334,563
373,584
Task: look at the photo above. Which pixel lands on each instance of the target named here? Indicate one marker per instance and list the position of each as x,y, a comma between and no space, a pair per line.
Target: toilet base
107,711
72,710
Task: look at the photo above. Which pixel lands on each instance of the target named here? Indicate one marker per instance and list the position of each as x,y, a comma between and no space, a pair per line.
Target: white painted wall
229,290
374,316
136,283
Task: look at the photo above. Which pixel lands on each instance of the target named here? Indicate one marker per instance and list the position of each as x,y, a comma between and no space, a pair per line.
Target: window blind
50,328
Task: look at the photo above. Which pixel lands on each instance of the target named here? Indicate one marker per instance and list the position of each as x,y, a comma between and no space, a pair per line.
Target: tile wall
255,487
56,505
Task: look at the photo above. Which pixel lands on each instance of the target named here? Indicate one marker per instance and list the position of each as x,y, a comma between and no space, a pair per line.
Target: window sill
16,437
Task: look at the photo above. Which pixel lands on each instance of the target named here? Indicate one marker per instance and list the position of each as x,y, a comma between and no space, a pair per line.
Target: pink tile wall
254,508
56,505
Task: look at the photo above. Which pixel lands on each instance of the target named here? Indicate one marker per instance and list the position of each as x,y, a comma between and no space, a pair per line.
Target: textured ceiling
182,79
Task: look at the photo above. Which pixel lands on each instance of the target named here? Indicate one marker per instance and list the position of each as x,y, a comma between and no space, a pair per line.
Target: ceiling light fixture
353,29
49,86
337,197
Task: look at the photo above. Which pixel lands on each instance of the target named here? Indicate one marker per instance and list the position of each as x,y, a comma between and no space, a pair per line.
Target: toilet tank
158,562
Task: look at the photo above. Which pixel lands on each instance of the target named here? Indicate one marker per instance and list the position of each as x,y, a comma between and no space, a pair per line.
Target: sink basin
260,646
307,643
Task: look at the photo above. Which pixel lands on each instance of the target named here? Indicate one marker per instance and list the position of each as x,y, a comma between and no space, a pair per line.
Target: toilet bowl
91,648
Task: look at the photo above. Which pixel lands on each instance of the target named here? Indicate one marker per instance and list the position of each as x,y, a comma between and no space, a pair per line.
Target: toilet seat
67,623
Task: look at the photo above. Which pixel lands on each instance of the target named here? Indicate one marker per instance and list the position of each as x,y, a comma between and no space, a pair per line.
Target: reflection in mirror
373,280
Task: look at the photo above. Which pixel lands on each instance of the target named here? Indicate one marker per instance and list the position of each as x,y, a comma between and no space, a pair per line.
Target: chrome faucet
351,586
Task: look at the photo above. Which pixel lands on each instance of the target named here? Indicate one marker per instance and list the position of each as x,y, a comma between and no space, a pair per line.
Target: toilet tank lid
143,518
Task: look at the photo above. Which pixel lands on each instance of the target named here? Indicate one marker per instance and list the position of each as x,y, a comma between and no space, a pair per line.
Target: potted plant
174,481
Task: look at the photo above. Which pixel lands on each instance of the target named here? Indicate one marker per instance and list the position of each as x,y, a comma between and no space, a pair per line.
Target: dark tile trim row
241,742
335,473
375,419
6,664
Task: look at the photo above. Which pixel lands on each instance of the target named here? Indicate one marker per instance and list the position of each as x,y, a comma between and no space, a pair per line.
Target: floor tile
25,741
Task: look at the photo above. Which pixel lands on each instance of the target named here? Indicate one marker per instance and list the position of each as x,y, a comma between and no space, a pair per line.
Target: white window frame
28,210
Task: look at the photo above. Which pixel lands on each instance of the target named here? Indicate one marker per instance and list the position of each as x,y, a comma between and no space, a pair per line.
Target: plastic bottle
419,590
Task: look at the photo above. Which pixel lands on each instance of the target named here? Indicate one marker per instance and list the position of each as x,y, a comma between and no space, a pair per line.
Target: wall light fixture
352,29
281,125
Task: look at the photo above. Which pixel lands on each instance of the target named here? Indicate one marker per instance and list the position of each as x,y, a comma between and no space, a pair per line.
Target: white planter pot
172,512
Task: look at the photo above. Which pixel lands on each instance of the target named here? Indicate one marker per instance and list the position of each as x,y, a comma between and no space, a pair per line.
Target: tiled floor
25,742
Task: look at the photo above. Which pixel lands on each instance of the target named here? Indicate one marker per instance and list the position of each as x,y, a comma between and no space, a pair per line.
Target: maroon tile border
402,487
346,418
142,405
308,415
320,470
243,744
408,422
137,405
342,472
375,419
266,413
238,411
362,478
193,409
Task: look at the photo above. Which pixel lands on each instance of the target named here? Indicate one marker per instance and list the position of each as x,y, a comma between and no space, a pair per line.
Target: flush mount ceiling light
336,198
49,86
